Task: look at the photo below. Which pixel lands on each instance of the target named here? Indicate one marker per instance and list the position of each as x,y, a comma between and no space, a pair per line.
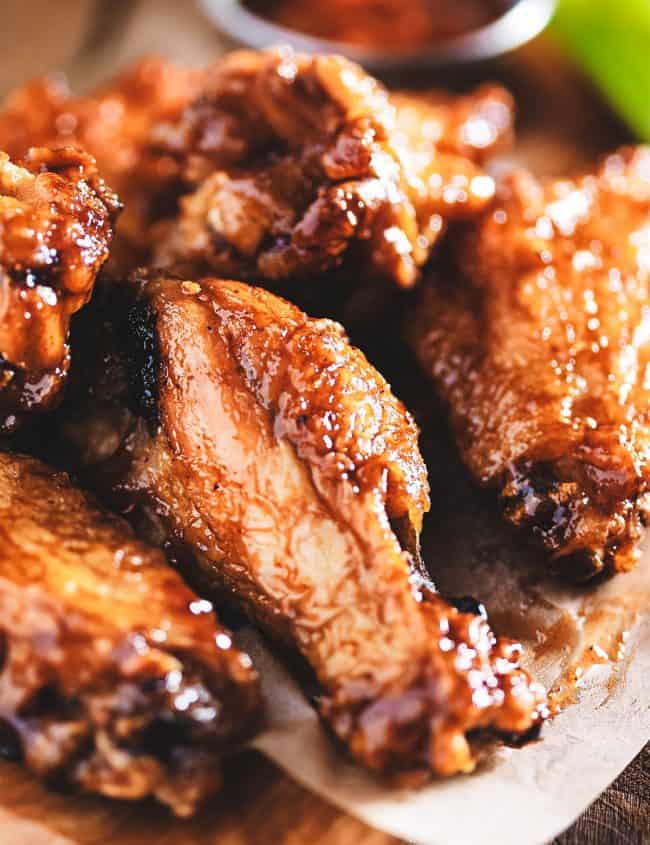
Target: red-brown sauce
383,24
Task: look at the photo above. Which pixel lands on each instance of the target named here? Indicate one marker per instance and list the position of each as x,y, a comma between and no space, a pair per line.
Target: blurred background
95,38
609,40
581,87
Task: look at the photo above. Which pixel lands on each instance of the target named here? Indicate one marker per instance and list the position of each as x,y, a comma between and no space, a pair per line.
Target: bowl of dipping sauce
386,35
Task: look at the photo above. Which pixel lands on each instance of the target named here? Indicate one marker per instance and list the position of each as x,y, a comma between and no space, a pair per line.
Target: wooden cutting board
258,806
562,125
261,806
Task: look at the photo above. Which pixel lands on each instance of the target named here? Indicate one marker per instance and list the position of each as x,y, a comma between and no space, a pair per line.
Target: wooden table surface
259,805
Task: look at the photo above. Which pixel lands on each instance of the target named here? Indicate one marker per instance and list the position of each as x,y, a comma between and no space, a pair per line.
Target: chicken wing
114,677
286,165
113,124
269,448
538,338
298,165
55,231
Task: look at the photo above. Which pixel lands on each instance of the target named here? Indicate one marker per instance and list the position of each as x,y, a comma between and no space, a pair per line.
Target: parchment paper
520,796
590,646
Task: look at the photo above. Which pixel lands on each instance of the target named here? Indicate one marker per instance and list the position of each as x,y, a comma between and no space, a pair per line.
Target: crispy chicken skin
56,218
539,341
298,165
269,448
113,124
286,166
114,677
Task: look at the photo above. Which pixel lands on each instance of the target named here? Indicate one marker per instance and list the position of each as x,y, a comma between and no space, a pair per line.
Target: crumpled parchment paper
589,645
520,796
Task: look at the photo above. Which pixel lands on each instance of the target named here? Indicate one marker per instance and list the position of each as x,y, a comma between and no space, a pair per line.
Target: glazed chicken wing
113,124
298,165
473,126
539,341
272,451
114,677
55,231
286,166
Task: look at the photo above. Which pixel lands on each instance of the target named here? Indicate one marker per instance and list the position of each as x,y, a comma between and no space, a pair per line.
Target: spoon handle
108,24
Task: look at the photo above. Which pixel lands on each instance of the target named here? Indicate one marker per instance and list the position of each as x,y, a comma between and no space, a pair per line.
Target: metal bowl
520,23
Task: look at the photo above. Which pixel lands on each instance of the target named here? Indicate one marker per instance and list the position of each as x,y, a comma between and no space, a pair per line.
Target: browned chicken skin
539,342
473,126
55,231
114,677
298,165
272,451
114,125
287,166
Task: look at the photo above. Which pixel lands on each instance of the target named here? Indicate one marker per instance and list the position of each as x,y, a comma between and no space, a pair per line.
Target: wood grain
258,806
261,806
621,814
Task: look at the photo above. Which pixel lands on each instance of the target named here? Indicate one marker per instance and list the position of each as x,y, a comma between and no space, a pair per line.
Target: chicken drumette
299,165
55,231
114,677
538,338
275,457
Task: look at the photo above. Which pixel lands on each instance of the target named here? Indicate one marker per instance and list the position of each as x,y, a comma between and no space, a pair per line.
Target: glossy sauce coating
382,24
56,217
298,165
114,677
278,457
539,342
112,124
